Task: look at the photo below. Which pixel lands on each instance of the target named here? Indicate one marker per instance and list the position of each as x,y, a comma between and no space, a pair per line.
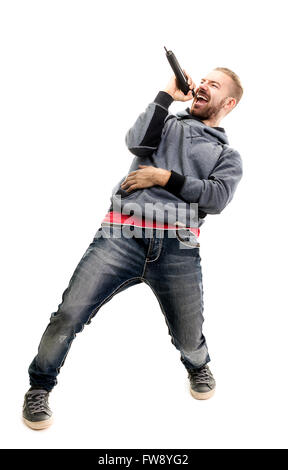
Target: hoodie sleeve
212,194
144,136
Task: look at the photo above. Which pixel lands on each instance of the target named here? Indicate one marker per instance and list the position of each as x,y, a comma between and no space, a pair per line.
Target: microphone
181,79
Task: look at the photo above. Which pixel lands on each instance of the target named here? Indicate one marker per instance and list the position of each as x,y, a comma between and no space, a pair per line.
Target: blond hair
237,89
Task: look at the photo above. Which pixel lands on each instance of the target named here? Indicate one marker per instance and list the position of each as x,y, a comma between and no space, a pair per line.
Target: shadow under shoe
36,412
202,383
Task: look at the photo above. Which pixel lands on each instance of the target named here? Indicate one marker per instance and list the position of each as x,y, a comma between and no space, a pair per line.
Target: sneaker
36,412
202,383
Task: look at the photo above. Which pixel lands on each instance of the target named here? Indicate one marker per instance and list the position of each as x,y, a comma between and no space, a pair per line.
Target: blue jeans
166,260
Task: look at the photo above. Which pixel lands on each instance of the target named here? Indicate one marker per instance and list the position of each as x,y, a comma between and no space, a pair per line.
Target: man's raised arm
145,135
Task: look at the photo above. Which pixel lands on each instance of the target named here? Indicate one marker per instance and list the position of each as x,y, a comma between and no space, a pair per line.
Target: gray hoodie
205,170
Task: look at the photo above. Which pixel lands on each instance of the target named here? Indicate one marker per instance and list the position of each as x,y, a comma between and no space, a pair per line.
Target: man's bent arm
212,194
144,136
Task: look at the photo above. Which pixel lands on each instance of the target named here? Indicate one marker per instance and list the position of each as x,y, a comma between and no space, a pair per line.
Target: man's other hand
146,177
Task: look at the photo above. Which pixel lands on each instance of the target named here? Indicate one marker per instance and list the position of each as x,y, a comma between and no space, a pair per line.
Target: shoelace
201,376
36,401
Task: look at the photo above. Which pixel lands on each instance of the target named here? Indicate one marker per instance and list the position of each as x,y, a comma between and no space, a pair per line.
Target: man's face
214,89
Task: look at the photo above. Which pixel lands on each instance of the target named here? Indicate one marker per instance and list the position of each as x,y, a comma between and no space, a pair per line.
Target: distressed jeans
166,260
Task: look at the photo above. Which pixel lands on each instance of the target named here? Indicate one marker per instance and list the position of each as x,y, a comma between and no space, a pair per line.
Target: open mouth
201,99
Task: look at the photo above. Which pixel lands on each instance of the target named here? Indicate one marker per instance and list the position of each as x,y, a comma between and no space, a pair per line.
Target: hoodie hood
218,132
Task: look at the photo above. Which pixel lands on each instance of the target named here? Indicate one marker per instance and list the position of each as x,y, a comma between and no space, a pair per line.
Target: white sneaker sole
202,396
38,425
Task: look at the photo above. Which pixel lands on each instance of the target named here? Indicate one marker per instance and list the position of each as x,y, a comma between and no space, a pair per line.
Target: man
181,161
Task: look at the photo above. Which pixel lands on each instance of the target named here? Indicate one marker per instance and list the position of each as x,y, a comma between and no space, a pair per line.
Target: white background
75,75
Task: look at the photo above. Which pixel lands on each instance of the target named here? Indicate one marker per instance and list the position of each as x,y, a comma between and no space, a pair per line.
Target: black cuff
175,183
164,99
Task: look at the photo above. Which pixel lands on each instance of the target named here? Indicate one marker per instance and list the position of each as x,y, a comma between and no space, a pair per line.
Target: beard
209,111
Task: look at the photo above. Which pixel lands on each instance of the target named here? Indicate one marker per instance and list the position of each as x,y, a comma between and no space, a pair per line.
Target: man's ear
230,103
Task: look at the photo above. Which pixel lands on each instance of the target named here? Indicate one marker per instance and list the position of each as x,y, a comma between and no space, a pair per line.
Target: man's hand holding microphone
177,94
